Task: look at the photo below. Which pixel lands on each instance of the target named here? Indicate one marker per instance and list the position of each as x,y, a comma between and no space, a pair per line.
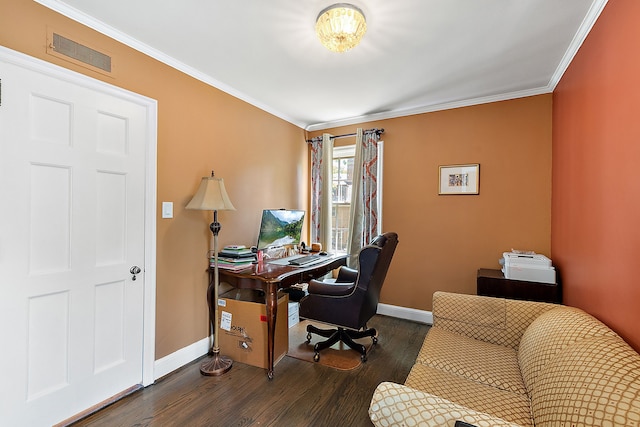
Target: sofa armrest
396,404
496,320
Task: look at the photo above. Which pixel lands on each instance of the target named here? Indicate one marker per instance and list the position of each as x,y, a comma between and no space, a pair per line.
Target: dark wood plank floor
301,393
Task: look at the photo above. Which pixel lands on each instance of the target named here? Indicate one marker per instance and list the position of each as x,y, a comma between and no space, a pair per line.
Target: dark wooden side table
492,283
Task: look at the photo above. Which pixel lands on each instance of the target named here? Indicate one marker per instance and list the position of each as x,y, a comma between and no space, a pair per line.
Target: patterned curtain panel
364,198
316,182
321,159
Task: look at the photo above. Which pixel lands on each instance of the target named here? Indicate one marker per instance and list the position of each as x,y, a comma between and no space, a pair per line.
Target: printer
530,267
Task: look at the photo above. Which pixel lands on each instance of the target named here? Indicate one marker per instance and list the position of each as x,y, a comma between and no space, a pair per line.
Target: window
341,184
339,192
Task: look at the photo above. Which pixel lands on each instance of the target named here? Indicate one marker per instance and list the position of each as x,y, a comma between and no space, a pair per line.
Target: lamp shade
211,196
340,27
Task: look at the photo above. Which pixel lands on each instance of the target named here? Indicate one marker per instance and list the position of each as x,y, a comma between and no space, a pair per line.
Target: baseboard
180,358
413,314
188,354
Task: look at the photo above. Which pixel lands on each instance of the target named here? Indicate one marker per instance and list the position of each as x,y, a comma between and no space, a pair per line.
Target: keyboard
308,259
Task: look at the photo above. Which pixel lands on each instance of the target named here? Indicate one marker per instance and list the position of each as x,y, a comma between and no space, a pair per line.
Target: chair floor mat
338,356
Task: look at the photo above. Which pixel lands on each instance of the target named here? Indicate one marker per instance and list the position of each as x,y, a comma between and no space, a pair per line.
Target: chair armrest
391,402
316,287
496,320
347,275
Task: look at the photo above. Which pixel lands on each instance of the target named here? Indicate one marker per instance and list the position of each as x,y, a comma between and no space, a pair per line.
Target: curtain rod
376,130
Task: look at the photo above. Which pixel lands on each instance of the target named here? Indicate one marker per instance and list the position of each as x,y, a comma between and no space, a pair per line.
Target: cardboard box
244,337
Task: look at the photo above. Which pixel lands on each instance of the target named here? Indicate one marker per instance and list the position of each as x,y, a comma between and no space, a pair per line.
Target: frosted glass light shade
340,27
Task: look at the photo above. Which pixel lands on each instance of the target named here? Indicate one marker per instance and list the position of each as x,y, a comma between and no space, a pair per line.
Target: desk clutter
234,258
240,257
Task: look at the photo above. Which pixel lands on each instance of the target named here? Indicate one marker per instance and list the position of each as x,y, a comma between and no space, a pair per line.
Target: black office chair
352,300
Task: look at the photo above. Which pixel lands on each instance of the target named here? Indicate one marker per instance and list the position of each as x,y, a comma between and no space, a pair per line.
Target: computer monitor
280,227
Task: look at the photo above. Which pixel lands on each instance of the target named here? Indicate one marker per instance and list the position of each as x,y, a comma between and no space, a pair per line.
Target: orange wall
445,239
261,158
596,184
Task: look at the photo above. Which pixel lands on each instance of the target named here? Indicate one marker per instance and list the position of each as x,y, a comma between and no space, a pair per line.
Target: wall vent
84,54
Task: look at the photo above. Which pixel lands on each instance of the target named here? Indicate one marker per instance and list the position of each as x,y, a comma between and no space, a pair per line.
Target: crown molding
101,27
579,38
429,108
585,27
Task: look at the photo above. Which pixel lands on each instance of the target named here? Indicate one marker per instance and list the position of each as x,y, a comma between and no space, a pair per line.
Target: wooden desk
269,277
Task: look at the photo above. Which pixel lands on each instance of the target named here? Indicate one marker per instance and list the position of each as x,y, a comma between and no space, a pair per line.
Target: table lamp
212,196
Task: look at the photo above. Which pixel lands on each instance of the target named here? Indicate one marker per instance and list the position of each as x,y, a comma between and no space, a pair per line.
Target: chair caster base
343,335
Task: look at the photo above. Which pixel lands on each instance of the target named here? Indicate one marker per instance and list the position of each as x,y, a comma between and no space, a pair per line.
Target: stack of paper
235,257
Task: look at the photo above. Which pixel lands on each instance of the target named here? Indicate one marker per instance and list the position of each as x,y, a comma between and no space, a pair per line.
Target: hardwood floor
301,393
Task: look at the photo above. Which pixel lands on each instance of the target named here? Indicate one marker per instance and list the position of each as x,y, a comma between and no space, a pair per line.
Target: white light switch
167,209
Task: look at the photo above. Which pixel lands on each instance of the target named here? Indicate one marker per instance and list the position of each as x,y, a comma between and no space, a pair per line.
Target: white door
72,224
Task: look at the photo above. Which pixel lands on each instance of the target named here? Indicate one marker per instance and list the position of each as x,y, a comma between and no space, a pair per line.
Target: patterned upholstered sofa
499,362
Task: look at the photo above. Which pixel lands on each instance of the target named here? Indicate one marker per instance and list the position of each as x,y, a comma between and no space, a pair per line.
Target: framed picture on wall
460,179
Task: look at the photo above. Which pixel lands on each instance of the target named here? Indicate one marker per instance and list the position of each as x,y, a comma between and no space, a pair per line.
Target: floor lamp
212,196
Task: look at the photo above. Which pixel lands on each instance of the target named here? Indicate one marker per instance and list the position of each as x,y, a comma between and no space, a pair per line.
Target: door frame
150,202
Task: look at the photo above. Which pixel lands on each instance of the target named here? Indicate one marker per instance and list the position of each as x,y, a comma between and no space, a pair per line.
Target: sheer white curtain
321,176
365,198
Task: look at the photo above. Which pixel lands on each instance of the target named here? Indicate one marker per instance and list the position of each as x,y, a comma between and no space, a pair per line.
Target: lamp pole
218,364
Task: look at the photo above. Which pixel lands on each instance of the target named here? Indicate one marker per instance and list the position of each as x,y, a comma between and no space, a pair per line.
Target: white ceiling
417,55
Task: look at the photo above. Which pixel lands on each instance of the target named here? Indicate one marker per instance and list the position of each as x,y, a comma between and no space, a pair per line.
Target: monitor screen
280,227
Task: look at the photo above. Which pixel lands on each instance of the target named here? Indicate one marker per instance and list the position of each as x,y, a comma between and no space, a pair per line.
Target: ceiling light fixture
340,27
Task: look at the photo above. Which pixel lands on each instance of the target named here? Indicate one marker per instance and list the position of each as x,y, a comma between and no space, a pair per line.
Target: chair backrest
373,264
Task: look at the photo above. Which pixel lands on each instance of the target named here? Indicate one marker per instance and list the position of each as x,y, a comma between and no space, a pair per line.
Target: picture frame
459,179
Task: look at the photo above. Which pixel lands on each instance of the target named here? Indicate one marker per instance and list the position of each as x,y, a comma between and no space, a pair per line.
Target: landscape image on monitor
280,227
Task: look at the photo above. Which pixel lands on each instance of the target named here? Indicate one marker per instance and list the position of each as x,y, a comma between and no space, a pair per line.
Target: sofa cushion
495,320
489,364
399,405
470,309
549,334
592,382
512,407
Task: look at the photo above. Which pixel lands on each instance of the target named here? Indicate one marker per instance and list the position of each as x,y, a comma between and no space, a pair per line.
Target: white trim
429,108
107,30
413,314
150,233
578,39
188,354
149,305
180,358
580,36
